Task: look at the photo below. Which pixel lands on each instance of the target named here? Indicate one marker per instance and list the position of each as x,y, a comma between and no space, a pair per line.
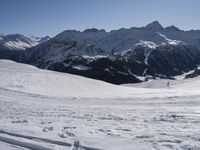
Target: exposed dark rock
195,73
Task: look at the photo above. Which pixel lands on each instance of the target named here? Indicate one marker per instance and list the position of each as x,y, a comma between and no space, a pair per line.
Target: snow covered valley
46,110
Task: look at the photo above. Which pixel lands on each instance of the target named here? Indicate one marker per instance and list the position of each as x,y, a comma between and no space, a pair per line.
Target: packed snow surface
42,109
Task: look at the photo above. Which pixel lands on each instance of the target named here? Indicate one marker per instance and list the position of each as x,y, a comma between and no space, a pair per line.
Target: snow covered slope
19,41
191,85
29,79
46,110
26,78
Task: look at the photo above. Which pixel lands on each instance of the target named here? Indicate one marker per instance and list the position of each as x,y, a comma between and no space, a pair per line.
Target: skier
168,84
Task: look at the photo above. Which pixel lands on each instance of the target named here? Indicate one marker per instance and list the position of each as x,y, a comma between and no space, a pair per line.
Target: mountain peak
94,30
172,28
154,25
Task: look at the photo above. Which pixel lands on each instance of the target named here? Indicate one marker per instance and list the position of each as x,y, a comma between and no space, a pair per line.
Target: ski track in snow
153,122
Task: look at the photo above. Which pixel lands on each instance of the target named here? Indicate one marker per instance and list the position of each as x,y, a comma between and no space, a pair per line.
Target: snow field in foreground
64,107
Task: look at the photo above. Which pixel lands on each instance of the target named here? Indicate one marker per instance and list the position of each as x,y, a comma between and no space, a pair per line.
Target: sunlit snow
42,109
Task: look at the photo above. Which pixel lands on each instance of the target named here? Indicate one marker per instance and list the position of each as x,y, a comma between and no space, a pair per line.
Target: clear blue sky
50,17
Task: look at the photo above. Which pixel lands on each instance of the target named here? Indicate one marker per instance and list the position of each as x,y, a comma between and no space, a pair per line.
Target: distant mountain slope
119,56
20,42
11,46
124,39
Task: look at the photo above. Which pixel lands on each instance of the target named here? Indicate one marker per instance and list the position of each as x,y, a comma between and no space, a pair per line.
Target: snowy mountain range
119,56
124,39
20,42
13,45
